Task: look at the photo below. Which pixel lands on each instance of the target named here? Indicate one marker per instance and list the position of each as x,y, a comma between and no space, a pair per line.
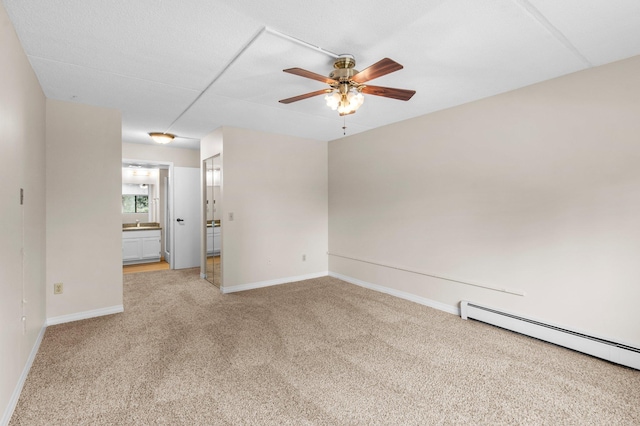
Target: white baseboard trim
8,412
252,286
85,315
401,294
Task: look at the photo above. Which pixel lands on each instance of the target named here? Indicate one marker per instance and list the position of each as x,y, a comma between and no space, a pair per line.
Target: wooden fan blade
311,75
305,96
389,92
383,67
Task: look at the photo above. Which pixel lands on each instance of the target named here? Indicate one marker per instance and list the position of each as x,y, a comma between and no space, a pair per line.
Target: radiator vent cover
595,346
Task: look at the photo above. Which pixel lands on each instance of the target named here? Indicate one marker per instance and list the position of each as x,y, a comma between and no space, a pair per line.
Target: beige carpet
316,352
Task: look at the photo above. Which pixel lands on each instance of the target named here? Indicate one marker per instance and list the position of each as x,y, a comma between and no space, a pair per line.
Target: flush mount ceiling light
162,138
348,84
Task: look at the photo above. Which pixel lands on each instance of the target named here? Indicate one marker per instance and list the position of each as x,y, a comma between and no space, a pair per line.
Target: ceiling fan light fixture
347,85
356,99
162,138
333,100
350,102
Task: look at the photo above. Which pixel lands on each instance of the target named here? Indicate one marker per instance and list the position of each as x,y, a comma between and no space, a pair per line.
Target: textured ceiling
192,66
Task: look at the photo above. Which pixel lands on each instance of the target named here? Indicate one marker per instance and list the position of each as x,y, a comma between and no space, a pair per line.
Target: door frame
162,165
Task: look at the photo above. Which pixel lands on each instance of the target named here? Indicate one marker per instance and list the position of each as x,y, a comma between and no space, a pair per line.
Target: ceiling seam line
555,32
241,51
111,73
217,77
301,42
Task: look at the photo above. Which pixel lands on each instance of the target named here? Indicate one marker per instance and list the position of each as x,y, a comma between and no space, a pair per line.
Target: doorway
160,203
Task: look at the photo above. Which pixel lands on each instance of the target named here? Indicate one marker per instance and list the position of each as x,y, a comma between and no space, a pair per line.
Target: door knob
179,220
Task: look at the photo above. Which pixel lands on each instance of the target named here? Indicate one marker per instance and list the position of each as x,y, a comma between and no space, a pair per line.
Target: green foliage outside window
135,204
142,204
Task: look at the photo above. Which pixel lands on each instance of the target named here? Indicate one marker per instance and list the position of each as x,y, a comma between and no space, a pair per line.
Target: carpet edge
15,396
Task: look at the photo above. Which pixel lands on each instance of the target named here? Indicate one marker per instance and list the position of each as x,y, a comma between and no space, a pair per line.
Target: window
135,204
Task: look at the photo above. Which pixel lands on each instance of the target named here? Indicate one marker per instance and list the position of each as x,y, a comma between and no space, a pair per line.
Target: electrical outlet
57,288
304,257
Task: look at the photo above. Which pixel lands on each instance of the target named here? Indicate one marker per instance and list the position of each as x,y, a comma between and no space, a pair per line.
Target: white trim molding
268,283
8,412
85,315
401,294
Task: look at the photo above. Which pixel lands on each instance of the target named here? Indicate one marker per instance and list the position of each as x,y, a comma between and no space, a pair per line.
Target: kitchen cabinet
140,246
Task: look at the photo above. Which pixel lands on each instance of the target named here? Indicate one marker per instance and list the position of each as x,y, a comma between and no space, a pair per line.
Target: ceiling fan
348,84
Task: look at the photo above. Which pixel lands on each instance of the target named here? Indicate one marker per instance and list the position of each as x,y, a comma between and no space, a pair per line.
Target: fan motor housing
344,68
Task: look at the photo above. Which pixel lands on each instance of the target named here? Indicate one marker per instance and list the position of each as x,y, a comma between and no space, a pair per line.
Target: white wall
534,190
180,157
276,187
22,165
84,247
211,145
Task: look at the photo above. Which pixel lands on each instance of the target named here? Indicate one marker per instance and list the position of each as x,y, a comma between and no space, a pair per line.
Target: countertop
141,226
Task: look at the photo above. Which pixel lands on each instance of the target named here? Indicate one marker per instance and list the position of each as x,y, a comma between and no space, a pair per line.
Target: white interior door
187,220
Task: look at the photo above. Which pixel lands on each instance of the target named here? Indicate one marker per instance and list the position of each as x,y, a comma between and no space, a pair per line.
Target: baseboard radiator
601,348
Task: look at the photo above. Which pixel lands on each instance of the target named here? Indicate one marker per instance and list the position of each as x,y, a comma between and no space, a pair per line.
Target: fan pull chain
344,126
